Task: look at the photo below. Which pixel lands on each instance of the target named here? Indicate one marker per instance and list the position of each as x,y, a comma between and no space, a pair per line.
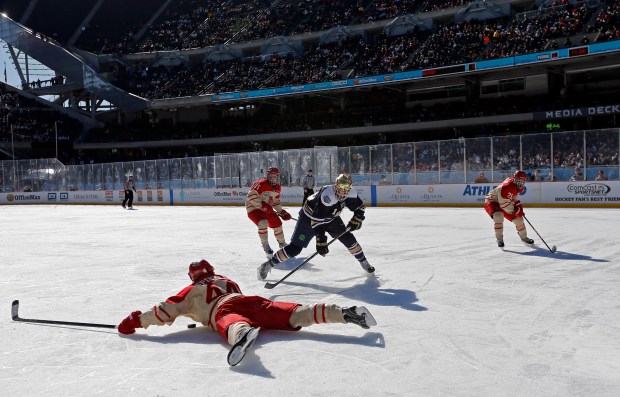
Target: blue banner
514,61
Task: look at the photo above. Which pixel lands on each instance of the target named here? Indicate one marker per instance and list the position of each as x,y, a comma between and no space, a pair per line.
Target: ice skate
123,205
527,240
367,266
359,315
263,270
500,243
267,249
244,342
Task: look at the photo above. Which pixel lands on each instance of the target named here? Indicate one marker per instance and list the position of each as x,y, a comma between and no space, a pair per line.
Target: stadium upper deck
441,33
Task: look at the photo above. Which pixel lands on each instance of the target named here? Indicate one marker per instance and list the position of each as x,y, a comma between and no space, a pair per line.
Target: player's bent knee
292,250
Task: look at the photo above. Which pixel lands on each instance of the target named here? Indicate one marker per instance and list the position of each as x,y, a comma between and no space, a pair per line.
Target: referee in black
130,187
308,184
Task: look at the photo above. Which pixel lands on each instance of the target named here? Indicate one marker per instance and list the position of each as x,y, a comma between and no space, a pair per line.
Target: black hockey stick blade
273,285
15,315
14,309
551,249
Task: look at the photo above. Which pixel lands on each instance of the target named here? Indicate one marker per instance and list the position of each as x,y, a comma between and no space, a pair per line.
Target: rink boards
553,194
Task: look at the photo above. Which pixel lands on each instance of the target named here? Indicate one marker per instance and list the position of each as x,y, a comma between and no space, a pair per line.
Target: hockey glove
355,223
518,212
285,215
130,323
321,245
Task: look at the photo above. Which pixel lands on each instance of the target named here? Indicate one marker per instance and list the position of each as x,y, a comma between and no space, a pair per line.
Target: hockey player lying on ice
217,302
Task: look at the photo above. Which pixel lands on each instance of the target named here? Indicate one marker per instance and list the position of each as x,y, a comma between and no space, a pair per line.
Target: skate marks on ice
546,325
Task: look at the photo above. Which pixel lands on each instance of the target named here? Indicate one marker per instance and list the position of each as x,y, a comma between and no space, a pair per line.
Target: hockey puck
191,326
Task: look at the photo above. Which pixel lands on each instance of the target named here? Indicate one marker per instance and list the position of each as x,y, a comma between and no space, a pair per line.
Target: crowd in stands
607,23
357,56
196,23
23,119
201,23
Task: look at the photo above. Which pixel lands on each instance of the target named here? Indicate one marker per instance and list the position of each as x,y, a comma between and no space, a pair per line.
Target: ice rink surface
456,315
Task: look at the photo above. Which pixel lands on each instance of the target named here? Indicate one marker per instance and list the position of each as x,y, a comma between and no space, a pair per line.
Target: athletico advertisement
582,194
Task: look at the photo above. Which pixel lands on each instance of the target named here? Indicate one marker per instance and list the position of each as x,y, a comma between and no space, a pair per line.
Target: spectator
481,178
578,176
537,177
552,178
601,176
383,181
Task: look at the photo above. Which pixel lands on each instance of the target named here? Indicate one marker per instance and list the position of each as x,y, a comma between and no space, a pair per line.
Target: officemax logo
22,197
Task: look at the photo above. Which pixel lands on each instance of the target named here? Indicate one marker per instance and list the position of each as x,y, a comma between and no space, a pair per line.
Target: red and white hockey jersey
506,195
264,197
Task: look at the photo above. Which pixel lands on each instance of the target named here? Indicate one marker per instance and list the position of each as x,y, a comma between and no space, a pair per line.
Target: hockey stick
15,315
273,285
552,249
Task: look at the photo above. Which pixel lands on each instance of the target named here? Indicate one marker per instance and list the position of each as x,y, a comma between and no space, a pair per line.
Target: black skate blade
370,320
239,350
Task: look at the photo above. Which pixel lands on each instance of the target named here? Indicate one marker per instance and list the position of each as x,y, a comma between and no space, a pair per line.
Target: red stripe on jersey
181,295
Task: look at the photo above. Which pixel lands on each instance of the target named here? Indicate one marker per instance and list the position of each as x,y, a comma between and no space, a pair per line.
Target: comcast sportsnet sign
22,197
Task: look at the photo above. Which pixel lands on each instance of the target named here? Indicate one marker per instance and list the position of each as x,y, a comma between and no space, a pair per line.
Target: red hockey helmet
520,177
273,176
199,269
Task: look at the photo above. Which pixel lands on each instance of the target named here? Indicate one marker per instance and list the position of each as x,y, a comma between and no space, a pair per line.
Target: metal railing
428,162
